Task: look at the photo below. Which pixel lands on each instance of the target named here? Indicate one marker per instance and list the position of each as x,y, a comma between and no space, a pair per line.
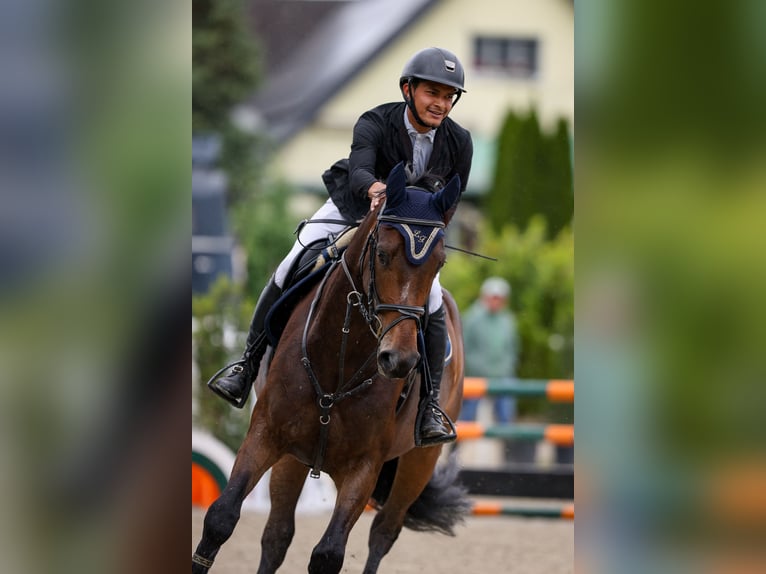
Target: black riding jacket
380,142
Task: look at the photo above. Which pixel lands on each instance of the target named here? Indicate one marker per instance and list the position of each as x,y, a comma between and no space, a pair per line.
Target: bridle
373,306
369,306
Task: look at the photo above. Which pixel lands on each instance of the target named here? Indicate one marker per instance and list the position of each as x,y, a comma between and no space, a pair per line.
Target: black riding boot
432,423
235,386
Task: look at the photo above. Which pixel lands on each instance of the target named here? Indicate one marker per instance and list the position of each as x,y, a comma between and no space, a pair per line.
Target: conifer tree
533,175
225,62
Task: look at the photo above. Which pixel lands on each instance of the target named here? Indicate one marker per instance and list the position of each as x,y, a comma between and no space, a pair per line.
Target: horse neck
353,254
341,282
332,308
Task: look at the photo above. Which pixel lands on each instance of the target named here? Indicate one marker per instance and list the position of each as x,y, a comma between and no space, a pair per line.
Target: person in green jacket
491,345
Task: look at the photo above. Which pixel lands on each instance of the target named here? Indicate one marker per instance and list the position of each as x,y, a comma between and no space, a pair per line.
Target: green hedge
541,274
222,313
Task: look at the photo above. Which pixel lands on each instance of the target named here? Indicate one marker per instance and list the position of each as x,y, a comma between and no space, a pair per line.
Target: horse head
405,252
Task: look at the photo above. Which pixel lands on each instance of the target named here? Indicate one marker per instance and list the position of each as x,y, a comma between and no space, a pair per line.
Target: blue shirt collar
413,132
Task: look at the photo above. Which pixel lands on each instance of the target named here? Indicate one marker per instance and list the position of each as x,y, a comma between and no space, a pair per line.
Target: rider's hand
376,193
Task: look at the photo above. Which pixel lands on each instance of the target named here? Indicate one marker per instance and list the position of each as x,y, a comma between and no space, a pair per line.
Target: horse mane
428,180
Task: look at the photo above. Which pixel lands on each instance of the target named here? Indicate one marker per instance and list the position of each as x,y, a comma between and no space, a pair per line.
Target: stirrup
426,403
237,366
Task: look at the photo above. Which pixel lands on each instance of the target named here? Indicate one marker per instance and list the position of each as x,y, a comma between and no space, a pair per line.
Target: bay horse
336,396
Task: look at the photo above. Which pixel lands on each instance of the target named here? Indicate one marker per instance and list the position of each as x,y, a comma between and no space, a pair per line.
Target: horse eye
382,257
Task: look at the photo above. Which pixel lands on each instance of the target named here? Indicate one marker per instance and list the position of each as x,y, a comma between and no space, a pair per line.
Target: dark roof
313,50
281,25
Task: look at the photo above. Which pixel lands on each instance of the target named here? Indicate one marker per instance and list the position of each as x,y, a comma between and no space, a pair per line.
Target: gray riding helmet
437,65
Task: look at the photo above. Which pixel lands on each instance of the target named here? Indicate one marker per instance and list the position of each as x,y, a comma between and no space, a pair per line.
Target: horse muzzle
396,364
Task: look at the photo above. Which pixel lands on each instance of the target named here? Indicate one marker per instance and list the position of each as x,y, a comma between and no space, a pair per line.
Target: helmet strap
411,104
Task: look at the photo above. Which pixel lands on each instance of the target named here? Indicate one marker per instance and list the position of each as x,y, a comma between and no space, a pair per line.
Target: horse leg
287,478
355,487
255,457
413,473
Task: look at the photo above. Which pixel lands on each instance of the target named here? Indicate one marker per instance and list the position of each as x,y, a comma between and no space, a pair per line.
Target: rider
417,131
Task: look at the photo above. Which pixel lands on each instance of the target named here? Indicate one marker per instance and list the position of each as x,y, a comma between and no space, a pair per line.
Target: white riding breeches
314,231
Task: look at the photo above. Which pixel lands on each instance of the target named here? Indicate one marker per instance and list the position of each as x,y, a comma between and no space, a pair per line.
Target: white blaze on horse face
406,291
398,349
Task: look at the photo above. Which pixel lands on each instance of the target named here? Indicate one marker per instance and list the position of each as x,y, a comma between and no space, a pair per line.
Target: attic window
514,57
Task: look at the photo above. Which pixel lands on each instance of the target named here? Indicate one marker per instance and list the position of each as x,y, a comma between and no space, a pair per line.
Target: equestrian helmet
435,64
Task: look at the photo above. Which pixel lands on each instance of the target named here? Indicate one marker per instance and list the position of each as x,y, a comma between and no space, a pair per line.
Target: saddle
307,270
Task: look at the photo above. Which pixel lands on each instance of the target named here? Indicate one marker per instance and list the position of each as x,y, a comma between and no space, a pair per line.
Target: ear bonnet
420,214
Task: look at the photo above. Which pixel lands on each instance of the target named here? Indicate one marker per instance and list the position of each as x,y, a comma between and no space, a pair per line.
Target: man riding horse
417,131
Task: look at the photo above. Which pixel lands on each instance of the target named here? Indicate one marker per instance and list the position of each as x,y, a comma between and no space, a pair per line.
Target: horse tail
442,505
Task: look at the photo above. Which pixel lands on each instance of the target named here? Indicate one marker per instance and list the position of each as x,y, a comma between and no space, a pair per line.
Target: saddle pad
278,315
448,352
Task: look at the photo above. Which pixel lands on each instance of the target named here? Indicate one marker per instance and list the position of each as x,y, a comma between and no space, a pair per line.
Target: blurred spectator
491,345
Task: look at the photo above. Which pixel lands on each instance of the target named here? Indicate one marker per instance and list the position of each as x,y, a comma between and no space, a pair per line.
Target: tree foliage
226,69
220,320
264,228
225,62
533,176
541,274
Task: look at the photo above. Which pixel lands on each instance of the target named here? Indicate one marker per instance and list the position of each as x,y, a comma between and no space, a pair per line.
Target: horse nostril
387,361
396,365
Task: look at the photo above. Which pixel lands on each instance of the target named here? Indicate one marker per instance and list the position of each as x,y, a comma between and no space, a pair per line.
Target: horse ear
395,186
447,197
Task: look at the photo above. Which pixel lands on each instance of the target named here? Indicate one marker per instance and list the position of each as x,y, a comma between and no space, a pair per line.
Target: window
515,57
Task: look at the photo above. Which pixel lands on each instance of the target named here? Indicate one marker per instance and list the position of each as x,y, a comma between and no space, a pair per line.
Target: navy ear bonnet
419,204
419,240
